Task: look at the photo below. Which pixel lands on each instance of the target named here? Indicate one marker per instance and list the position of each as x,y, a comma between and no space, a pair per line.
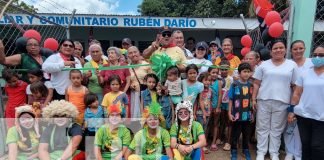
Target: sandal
206,151
213,147
219,142
227,147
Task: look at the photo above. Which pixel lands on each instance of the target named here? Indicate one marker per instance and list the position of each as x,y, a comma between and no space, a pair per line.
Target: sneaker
274,157
259,157
289,157
233,154
247,155
227,147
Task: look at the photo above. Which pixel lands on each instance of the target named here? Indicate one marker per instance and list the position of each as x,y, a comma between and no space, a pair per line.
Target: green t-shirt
27,62
13,137
187,138
150,147
111,143
93,84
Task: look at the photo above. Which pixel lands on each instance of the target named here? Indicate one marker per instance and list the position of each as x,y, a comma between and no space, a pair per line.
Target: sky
117,7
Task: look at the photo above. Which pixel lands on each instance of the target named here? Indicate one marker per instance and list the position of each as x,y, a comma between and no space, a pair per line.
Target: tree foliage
194,8
20,4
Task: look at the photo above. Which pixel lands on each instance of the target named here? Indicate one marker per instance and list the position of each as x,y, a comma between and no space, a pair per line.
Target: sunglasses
166,34
318,55
68,45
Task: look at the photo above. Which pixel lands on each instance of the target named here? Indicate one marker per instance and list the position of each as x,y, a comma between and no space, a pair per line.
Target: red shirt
122,73
16,97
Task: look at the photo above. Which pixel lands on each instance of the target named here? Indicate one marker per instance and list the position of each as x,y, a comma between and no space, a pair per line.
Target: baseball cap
201,44
165,29
213,42
127,40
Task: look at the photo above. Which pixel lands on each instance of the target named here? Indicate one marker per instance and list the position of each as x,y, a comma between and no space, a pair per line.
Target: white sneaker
274,158
260,157
289,157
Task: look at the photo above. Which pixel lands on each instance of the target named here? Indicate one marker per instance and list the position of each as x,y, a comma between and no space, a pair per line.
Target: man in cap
126,43
164,43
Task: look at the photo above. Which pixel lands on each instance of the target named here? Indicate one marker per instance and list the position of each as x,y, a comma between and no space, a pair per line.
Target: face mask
318,61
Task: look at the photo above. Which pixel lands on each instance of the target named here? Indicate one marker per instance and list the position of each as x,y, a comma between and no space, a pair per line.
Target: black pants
57,96
312,138
239,127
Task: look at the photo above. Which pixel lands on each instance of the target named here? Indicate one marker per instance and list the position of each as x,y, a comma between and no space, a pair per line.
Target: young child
115,96
204,104
149,95
16,91
240,110
93,119
75,93
191,87
167,106
36,75
216,88
38,98
94,114
225,122
173,84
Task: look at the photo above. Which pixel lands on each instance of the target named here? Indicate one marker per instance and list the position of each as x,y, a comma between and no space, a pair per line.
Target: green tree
20,4
195,8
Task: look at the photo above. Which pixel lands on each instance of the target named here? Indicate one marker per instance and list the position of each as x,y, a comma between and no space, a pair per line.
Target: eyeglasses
185,113
166,34
78,49
68,45
318,55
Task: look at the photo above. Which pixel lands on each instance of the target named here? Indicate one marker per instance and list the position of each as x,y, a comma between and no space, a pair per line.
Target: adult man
178,38
164,43
126,43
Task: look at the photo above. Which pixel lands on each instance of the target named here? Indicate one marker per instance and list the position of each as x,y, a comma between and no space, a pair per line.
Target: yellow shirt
109,99
175,53
234,63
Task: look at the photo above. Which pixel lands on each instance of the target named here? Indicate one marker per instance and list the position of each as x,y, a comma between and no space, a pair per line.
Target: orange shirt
77,99
234,63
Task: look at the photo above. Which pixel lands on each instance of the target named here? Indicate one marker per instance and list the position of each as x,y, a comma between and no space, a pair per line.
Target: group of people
63,100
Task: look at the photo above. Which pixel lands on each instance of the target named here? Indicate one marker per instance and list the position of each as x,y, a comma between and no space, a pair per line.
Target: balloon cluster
50,44
247,42
270,21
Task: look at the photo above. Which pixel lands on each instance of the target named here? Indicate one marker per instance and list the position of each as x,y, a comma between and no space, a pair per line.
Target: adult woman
308,98
113,138
91,77
149,141
227,47
187,135
124,74
137,79
292,137
54,65
272,91
200,57
60,139
297,52
30,60
22,139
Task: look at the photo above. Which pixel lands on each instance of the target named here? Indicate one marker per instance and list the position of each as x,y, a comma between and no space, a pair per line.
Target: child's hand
231,117
254,105
88,74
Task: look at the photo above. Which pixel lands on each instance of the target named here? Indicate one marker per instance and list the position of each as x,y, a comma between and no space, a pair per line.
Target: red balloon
51,44
276,29
33,34
245,50
246,41
272,17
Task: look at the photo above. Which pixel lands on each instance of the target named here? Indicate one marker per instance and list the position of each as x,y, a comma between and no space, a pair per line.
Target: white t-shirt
276,80
306,66
187,53
59,79
200,61
312,99
48,84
